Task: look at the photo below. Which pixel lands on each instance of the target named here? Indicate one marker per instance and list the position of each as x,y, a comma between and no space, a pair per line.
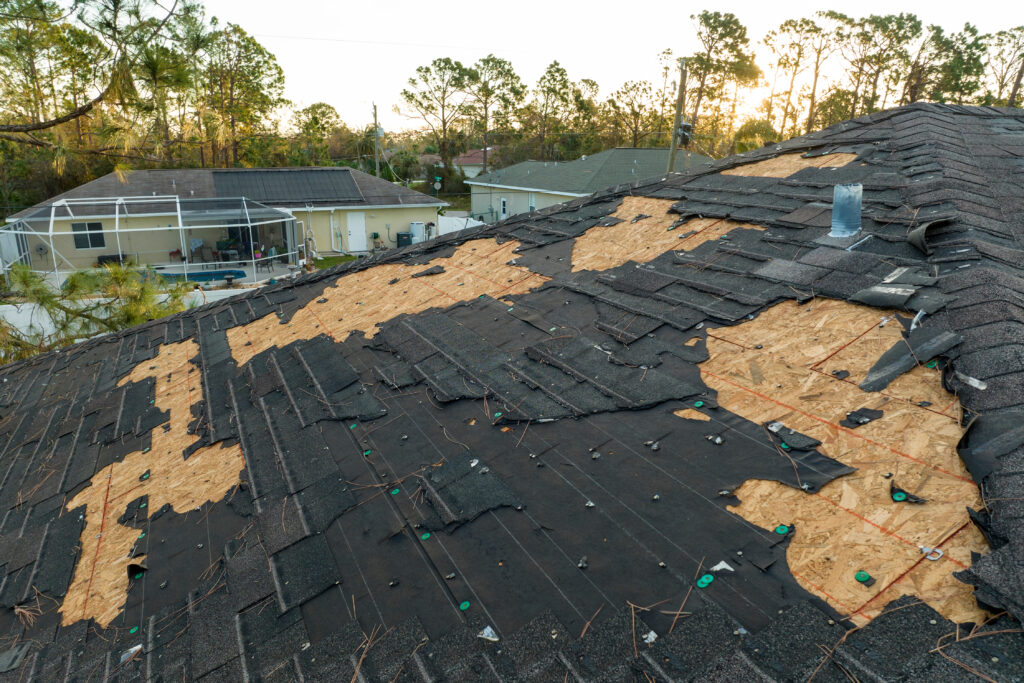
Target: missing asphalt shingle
978,302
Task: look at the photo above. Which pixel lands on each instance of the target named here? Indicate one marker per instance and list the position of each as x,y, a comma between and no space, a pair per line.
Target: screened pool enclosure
198,240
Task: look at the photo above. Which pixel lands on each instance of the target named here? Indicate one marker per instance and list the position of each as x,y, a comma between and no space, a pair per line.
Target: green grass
330,261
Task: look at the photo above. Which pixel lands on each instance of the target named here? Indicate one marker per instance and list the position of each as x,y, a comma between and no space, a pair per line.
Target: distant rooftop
590,173
286,187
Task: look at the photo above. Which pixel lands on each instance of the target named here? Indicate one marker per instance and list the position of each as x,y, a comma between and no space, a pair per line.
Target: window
88,235
504,209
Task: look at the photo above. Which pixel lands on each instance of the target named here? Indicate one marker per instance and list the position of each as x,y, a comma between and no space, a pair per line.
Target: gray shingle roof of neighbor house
622,438
592,173
287,187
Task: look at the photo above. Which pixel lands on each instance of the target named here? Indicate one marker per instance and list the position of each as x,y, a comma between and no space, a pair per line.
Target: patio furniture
229,254
266,264
209,257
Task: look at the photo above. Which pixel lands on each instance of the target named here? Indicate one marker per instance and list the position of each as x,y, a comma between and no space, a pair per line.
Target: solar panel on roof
320,185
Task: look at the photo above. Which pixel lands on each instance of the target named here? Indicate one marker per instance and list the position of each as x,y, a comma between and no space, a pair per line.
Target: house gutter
530,189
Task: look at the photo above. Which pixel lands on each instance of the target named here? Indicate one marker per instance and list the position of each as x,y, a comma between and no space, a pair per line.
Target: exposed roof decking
419,468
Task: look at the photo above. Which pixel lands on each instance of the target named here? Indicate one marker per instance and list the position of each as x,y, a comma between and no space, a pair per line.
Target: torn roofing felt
616,441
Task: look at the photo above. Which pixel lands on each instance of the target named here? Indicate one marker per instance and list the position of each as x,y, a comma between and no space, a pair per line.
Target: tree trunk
1012,102
789,101
700,96
856,94
814,95
234,133
487,117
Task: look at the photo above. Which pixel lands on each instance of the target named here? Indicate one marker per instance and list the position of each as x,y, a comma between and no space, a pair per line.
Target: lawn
330,261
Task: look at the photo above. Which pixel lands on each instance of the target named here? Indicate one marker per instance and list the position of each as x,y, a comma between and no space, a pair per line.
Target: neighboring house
149,214
532,185
471,162
674,431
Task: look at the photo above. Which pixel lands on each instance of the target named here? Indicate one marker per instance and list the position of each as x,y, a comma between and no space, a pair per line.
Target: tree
633,112
552,99
313,125
90,302
792,43
436,96
495,92
121,30
924,69
244,84
961,71
1006,64
754,134
876,49
724,40
822,43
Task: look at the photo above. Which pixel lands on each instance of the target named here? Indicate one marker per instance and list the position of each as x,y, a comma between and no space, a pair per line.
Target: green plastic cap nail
133,629
698,404
782,530
899,496
425,536
862,576
464,605
395,492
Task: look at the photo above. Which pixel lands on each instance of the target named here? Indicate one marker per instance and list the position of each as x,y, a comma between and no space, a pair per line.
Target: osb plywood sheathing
787,164
100,583
365,299
604,247
779,367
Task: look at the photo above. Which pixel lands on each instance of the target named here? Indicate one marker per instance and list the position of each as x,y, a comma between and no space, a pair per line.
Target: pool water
205,275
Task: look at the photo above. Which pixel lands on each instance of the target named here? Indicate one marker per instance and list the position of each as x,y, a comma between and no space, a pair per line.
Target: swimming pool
204,275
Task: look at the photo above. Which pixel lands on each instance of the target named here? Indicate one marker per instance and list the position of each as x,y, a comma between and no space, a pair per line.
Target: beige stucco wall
485,202
136,242
154,246
386,222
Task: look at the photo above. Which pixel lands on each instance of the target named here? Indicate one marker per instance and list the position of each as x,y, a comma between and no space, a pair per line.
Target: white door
356,231
504,208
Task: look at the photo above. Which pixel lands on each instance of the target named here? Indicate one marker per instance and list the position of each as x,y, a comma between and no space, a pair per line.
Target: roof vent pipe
846,205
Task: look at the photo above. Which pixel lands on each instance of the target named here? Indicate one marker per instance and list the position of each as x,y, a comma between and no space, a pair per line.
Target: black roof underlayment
491,567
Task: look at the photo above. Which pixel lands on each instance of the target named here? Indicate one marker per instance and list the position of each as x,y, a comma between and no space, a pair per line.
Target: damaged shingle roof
495,480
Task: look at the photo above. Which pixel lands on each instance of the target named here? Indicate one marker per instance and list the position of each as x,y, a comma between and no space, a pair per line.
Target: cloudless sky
351,54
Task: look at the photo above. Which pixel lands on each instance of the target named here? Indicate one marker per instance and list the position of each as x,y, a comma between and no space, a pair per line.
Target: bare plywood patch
852,524
787,164
604,247
692,414
365,299
100,584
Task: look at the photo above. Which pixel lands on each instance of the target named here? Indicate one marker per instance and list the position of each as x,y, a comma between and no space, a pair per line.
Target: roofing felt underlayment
669,431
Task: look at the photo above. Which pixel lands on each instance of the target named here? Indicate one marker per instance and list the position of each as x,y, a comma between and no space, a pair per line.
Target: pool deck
277,271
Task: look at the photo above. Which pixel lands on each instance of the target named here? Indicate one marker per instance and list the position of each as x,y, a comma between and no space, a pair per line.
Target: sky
352,54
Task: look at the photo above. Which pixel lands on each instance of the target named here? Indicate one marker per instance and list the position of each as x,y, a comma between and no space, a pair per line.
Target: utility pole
376,142
680,107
